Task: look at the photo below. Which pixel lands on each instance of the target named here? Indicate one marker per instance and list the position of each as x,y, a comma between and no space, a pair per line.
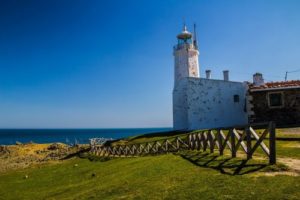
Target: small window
236,98
275,100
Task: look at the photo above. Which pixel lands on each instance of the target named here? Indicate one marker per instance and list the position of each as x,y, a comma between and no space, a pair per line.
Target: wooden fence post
201,143
211,141
272,143
194,141
198,136
233,149
219,136
204,141
177,143
248,138
190,141
166,145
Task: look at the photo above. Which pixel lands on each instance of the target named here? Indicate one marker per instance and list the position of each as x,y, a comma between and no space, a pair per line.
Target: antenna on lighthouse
184,24
195,37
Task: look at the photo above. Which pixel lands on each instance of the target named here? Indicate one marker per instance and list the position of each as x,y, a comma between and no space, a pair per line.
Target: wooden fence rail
244,139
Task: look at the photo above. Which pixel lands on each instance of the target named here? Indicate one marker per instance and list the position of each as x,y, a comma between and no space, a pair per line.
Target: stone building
203,103
274,101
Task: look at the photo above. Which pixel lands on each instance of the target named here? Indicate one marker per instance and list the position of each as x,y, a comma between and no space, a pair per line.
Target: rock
75,165
26,176
53,156
38,151
57,146
18,143
4,150
54,146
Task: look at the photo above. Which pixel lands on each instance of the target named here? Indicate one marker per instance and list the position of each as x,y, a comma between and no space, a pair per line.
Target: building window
236,98
275,100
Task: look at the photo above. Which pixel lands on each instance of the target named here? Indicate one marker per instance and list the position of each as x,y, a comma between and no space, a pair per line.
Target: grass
227,165
288,149
157,177
184,175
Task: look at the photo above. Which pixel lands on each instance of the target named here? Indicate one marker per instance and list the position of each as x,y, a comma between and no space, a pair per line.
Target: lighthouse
186,65
199,102
186,56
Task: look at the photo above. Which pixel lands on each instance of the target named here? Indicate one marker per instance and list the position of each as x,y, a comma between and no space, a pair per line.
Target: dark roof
276,85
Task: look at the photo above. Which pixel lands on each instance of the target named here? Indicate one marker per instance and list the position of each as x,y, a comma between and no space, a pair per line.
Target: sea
69,136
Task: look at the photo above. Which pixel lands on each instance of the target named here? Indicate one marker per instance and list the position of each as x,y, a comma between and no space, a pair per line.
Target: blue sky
94,64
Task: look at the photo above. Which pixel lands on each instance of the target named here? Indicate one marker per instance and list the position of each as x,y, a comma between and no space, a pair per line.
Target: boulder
55,146
3,150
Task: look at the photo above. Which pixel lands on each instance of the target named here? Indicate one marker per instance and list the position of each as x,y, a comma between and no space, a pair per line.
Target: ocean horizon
69,135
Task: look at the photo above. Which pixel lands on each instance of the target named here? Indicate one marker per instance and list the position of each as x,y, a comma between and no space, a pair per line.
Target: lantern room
185,37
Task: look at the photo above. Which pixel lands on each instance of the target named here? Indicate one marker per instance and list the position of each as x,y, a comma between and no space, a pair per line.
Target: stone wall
288,114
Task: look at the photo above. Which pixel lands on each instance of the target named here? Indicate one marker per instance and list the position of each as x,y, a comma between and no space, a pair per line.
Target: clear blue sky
70,63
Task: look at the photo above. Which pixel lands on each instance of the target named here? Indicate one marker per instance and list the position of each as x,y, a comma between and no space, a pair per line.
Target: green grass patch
182,176
289,149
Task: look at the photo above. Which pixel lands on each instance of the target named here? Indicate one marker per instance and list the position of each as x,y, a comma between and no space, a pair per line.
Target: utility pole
286,75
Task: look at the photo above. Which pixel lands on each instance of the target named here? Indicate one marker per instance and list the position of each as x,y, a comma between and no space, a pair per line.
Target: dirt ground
292,131
292,163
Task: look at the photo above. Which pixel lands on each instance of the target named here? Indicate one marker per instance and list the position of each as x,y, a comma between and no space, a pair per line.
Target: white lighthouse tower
186,56
186,65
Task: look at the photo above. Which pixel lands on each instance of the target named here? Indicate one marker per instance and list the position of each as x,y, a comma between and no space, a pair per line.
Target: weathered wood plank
195,141
182,142
177,143
225,140
166,146
189,141
232,142
142,148
198,147
211,141
204,139
260,141
173,145
240,141
219,138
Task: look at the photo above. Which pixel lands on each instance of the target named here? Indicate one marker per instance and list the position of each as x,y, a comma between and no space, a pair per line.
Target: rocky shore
20,155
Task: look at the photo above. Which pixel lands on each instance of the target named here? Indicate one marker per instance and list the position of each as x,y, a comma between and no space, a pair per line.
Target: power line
298,70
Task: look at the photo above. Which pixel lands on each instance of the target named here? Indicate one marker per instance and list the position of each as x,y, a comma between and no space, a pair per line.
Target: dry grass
24,155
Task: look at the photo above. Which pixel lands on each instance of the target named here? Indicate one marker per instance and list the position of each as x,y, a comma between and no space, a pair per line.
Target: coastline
70,136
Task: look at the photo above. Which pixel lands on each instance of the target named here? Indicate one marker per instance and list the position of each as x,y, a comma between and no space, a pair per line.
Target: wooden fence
245,139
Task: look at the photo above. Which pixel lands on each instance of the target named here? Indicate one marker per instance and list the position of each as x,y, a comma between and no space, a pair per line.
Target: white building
203,103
